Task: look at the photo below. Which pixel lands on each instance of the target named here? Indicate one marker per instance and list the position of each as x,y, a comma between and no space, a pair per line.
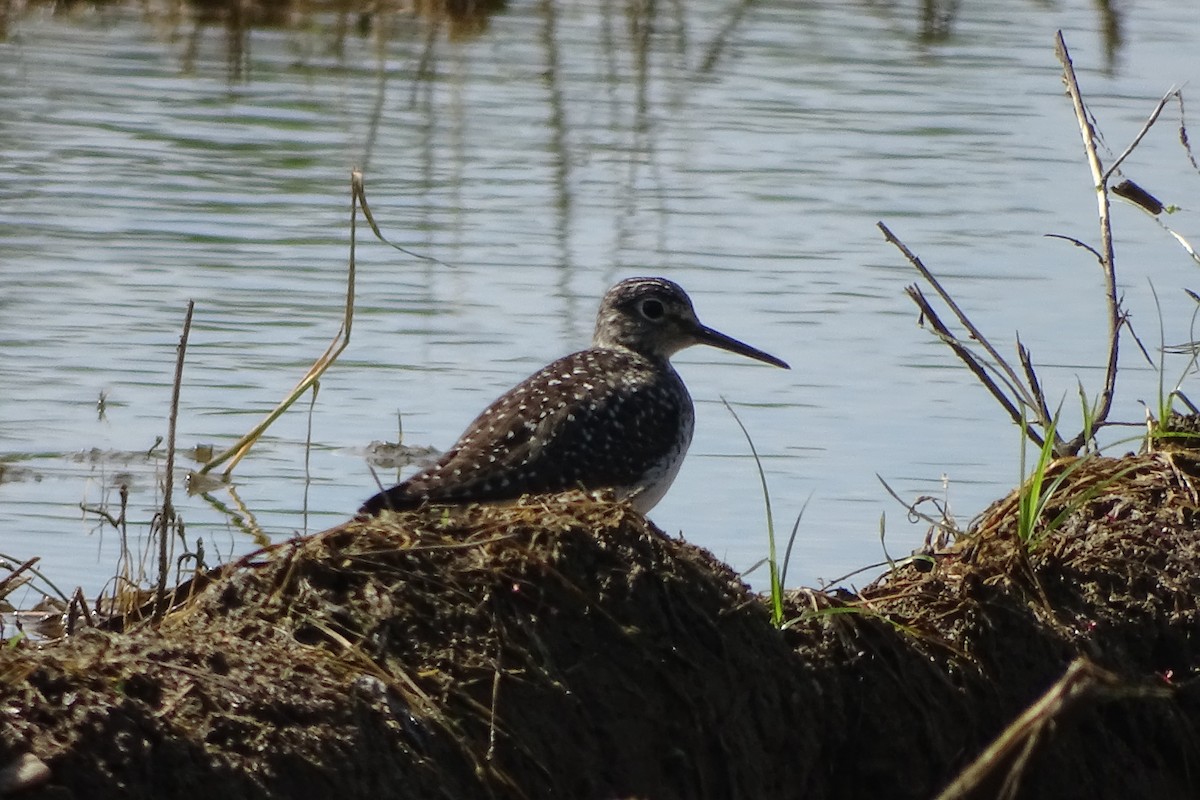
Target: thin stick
491,748
10,579
80,602
1107,260
1077,243
61,595
312,407
166,518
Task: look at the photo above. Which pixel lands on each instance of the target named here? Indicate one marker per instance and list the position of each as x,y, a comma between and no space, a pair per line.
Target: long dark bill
708,336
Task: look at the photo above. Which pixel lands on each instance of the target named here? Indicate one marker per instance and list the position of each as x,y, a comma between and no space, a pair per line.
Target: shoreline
565,647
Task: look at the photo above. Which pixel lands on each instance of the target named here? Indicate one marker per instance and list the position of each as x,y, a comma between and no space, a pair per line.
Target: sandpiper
615,417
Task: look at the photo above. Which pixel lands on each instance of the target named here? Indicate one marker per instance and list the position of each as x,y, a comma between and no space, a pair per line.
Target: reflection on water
541,151
339,24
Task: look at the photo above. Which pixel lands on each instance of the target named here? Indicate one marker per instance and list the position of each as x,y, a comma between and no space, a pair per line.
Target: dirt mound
566,648
928,664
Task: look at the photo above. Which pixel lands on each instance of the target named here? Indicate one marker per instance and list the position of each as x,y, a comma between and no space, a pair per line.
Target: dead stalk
1107,259
78,607
166,519
10,581
1022,394
341,341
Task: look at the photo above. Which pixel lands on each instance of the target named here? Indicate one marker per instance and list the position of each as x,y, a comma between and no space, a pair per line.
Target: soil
565,648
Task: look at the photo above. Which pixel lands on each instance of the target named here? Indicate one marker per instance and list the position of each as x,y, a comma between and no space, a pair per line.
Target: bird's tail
393,499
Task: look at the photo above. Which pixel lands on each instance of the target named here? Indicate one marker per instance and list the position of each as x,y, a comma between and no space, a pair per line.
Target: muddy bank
569,649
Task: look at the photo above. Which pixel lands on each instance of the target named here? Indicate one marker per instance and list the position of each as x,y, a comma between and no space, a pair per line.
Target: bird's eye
652,309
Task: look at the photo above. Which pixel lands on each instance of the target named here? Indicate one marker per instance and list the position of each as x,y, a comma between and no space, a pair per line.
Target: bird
615,417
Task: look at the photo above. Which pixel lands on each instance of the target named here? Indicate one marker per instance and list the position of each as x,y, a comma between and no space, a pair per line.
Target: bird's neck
602,343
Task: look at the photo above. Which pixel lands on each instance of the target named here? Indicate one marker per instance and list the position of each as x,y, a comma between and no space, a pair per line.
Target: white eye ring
652,309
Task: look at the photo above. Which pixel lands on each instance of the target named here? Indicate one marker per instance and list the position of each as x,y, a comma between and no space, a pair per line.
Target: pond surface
745,150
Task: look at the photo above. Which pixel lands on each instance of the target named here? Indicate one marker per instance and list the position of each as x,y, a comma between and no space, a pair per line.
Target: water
744,150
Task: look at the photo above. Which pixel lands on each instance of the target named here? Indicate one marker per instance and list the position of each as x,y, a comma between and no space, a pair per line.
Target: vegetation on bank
564,647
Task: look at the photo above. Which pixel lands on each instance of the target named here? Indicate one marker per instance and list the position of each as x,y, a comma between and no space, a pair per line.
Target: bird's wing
596,419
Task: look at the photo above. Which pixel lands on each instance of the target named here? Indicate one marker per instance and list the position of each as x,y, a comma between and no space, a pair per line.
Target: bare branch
166,519
1078,243
1107,260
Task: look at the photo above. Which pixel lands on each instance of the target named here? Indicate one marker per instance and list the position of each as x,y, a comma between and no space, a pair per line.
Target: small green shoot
1164,398
787,553
772,561
1087,412
1035,494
